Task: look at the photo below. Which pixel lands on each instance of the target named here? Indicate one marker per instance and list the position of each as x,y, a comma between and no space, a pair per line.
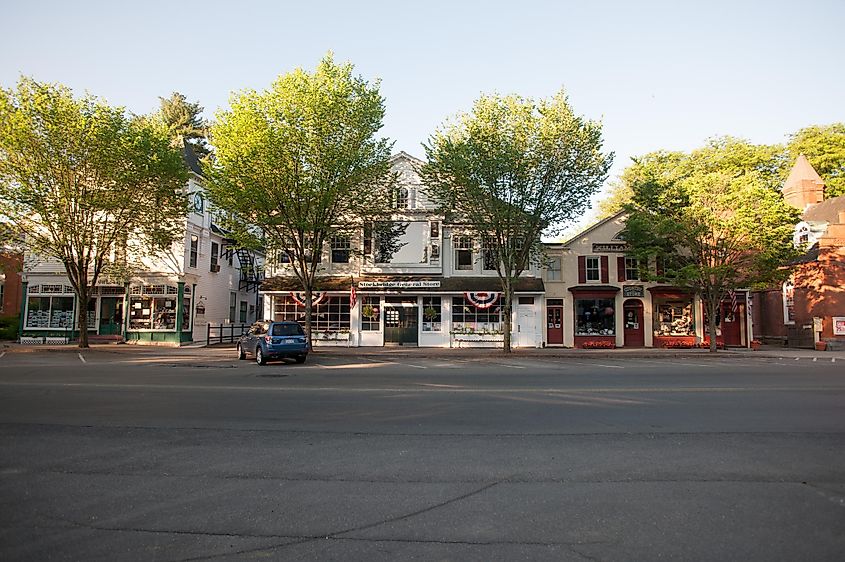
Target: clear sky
658,74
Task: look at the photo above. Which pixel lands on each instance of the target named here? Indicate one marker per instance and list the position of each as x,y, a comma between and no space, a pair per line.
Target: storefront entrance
732,323
401,325
554,325
111,316
634,326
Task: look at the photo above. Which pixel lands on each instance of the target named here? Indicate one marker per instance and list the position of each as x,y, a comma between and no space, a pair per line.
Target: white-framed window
331,315
463,253
195,244
469,319
632,269
553,272
215,255
789,302
592,266
233,298
340,249
432,314
371,314
400,198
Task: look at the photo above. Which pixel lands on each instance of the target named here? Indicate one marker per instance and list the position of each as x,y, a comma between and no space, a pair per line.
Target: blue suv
274,340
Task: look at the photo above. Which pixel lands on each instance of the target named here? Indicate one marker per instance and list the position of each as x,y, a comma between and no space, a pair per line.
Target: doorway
732,322
525,325
111,316
401,322
634,329
554,325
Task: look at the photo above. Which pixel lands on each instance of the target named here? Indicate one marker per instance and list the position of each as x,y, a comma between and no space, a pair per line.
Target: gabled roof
593,227
802,171
404,155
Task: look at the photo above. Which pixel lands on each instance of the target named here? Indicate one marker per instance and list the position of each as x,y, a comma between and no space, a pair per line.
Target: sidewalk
427,352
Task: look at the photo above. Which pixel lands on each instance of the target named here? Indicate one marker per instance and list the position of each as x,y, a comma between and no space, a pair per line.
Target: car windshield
287,330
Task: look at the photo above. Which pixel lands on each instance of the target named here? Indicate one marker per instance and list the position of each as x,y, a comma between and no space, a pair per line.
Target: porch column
180,298
24,285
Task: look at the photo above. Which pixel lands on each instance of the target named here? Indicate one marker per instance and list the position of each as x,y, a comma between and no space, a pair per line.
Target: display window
469,319
371,314
673,317
595,317
152,307
332,315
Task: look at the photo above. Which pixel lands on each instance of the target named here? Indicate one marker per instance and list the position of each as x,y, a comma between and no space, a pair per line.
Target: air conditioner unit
215,268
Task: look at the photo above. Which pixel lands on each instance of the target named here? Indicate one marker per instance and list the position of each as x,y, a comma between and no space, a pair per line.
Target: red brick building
10,283
810,306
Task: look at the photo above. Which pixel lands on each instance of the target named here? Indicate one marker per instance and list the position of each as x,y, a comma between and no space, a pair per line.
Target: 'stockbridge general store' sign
398,284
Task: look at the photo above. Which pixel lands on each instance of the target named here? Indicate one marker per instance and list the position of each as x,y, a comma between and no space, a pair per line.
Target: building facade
413,280
595,297
167,299
810,306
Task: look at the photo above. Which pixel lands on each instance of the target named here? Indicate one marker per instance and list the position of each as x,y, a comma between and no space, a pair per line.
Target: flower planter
755,346
821,346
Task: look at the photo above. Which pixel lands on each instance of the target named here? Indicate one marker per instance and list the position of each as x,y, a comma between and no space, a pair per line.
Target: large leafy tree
300,163
511,170
78,177
824,147
184,122
712,219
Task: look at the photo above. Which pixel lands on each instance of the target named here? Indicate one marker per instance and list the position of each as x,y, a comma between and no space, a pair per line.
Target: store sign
399,284
839,325
633,291
619,247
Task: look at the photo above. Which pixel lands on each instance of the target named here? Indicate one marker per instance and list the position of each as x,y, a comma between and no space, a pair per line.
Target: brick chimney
804,186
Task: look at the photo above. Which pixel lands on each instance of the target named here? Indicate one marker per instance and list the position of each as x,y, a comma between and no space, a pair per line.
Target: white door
525,326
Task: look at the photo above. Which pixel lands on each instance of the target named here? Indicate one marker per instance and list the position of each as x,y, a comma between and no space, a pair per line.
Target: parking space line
81,358
600,365
2,354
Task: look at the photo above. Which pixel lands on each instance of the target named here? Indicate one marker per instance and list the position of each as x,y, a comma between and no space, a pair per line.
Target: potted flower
821,346
755,345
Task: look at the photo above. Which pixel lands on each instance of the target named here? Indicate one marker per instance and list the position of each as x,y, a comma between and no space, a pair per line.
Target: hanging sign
317,297
482,300
632,291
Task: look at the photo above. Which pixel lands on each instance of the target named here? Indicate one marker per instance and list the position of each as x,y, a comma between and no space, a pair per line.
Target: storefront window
432,317
673,318
469,319
153,307
332,315
186,314
370,314
595,317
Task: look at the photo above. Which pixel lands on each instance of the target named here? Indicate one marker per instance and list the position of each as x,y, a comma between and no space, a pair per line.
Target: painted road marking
600,365
81,358
2,354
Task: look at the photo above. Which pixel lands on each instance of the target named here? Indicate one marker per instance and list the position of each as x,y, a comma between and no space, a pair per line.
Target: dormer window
400,198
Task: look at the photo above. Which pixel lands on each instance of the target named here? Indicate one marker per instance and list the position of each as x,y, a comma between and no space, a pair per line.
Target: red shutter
620,268
604,276
582,269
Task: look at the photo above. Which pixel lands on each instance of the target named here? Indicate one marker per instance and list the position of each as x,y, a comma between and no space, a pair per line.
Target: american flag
353,297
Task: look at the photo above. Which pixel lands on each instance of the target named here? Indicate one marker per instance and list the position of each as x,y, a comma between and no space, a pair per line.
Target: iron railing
225,333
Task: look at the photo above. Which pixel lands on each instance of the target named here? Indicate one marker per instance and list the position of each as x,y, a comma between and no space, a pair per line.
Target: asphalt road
162,456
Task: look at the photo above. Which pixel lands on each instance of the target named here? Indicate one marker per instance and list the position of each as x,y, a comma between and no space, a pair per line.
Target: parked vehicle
274,340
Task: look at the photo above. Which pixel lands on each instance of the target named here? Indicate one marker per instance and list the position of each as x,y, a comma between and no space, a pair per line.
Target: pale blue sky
658,74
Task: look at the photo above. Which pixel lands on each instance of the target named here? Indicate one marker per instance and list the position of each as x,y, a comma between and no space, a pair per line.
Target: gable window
195,243
215,254
593,268
400,198
632,269
553,270
340,249
463,253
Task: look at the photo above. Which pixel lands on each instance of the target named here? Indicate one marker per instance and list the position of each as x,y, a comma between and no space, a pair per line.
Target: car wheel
259,356
300,358
241,354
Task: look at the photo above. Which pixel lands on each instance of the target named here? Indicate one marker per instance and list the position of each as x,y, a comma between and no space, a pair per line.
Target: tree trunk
82,297
506,312
712,307
308,307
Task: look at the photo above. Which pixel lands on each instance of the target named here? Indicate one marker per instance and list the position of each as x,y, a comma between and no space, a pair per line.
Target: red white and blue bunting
317,297
482,300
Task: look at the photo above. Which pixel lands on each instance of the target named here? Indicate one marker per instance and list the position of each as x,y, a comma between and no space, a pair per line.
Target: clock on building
199,203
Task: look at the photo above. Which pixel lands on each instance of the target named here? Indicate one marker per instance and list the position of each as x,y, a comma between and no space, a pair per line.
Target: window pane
594,317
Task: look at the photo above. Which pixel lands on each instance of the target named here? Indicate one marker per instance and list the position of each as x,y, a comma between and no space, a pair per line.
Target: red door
634,328
732,324
554,325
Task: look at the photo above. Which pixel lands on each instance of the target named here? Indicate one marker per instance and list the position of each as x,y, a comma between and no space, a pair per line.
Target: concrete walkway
425,352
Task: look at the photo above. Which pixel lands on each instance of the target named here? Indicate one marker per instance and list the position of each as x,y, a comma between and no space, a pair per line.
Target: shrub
9,328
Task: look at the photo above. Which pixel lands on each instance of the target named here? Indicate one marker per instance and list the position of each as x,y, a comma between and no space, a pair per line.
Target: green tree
511,170
184,122
300,163
714,221
824,147
77,176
